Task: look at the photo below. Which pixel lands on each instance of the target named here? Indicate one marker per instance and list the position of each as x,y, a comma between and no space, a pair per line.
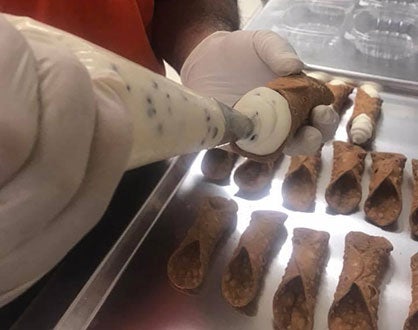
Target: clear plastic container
385,33
315,22
397,5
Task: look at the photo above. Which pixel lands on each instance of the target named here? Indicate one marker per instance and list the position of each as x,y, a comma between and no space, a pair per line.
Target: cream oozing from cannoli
285,114
371,89
319,75
337,82
341,88
361,129
362,126
272,120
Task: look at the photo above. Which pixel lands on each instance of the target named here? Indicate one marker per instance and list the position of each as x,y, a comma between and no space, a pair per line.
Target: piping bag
169,119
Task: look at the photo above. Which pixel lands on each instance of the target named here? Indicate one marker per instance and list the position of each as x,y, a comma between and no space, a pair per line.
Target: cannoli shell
294,301
303,93
189,263
242,278
341,93
217,164
384,202
371,106
252,177
413,218
356,299
411,322
343,193
299,184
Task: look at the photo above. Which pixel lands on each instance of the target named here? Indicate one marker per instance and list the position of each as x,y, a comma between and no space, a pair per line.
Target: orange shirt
122,26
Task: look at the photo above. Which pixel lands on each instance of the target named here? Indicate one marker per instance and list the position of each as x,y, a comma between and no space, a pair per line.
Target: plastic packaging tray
374,37
384,32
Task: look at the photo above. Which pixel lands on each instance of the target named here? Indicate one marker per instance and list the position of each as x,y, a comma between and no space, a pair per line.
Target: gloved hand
226,65
65,141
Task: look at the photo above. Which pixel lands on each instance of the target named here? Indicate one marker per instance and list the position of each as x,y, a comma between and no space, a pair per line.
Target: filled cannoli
413,218
294,301
217,164
411,322
356,299
384,202
341,91
343,193
289,98
244,274
252,177
299,184
327,117
189,263
320,75
361,127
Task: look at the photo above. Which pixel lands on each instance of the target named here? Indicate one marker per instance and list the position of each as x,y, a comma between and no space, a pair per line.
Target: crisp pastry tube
341,91
294,300
296,95
413,217
188,265
252,177
356,300
299,184
384,202
243,276
343,193
411,322
326,117
217,164
361,127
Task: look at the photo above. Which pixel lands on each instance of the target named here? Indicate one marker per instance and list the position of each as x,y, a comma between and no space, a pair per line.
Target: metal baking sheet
142,298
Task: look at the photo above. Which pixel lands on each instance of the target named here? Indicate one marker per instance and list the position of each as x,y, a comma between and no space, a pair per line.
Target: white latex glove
226,65
65,142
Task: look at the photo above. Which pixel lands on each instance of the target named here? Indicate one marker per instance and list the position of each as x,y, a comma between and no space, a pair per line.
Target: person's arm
180,25
199,38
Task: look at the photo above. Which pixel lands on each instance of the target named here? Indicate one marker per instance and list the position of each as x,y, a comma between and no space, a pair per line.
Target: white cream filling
371,89
336,82
272,120
342,81
321,76
361,129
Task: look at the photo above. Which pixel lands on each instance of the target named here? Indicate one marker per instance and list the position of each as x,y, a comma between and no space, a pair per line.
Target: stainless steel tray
130,289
